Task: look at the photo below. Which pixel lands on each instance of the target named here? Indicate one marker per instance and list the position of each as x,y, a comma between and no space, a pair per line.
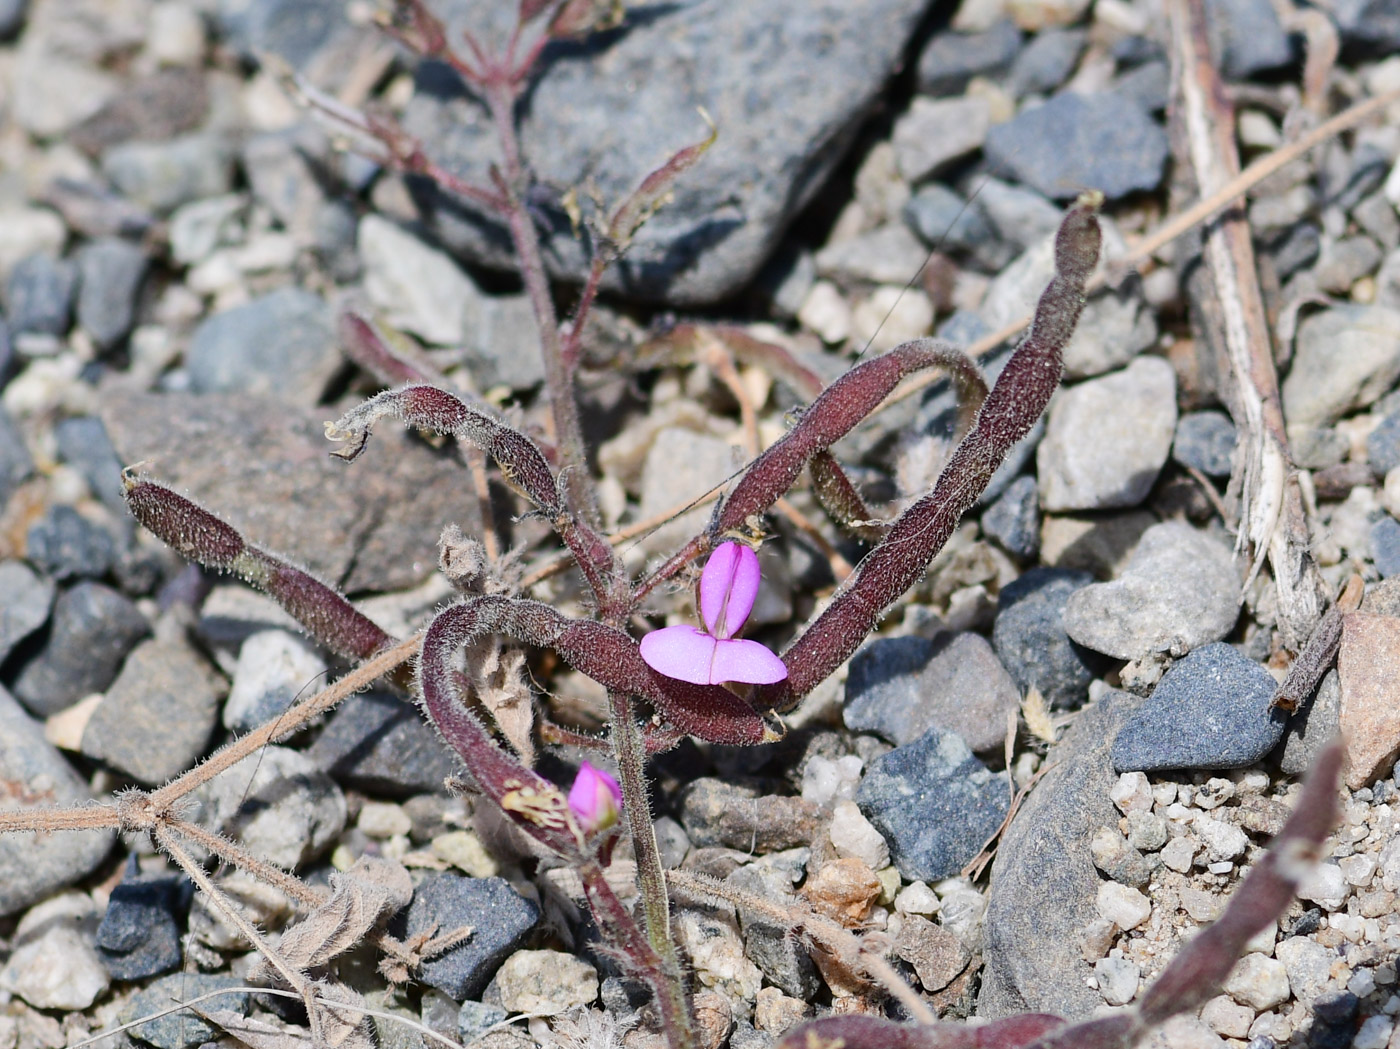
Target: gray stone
788,81
369,525
1045,887
39,295
419,288
84,445
1249,36
1013,521
1078,142
1312,727
281,345
1047,61
1344,358
183,1028
1296,247
1370,24
1107,439
274,669
1383,445
475,1017
200,227
28,598
1030,638
93,629
140,933
1019,215
934,803
887,254
33,867
1385,546
949,60
1148,86
156,719
504,348
378,743
1342,262
900,687
110,272
15,462
1179,590
281,806
66,545
934,134
12,14
164,175
945,221
738,816
1206,441
498,915
1209,711
679,466
281,175
785,965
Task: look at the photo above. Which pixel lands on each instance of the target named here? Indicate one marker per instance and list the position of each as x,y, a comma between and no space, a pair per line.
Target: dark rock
157,716
935,804
475,1017
93,629
1294,248
281,345
1047,61
12,14
1045,887
110,272
28,598
500,916
66,545
746,1036
39,295
152,108
1248,35
84,445
36,776
1334,1021
371,525
140,933
1385,546
715,812
1209,711
1369,25
788,81
949,60
183,1028
1014,519
1206,441
15,462
947,222
378,743
1148,86
1021,217
1030,639
280,169
1075,141
785,965
900,687
1383,445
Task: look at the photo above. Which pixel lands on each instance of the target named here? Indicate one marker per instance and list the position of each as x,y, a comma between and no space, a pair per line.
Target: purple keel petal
680,652
728,587
745,661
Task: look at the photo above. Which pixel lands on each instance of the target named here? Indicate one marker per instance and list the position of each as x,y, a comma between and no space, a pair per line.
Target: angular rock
164,175
378,743
140,933
1044,889
53,964
1206,441
183,1028
28,598
281,345
1014,519
715,812
1030,638
936,133
935,953
504,347
1180,590
84,445
546,982
498,915
156,718
39,295
370,525
1047,61
901,687
66,545
93,629
1107,439
1209,711
15,461
883,255
1344,357
789,81
274,669
1074,142
110,271
949,60
419,288
679,466
33,867
934,803
1369,718
1313,725
1248,36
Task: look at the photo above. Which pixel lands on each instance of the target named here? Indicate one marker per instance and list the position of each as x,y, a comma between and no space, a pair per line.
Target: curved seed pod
1014,404
199,535
842,503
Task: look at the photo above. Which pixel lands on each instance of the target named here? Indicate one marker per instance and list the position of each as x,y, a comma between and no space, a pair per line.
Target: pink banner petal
747,662
728,587
682,652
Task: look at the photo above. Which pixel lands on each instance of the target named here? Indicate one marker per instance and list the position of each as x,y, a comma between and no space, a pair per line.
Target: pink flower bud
595,799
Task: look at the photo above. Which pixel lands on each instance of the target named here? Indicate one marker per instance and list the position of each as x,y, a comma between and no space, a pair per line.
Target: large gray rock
1044,886
786,82
1344,357
35,776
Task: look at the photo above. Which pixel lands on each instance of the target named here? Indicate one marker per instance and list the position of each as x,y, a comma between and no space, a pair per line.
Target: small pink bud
595,798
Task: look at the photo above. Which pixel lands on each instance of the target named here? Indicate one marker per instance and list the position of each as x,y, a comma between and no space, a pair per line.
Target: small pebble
54,964
66,545
1179,853
500,919
546,982
140,932
1030,638
1258,982
111,271
1124,906
852,835
1118,979
274,670
825,780
1205,440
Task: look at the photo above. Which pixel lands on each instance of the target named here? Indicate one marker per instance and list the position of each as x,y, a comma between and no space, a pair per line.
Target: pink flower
595,799
728,587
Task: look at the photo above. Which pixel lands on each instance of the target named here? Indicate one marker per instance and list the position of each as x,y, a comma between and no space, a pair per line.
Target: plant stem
630,752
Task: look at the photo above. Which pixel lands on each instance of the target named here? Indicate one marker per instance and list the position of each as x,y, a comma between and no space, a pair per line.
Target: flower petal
745,661
682,652
596,799
728,587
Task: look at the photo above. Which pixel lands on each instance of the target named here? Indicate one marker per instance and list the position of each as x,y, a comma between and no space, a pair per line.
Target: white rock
1258,982
1179,853
383,820
419,288
889,316
1374,1033
1132,793
273,669
717,954
825,780
1226,1017
176,36
826,312
1184,1032
1358,870
854,835
1308,964
1125,907
1325,885
27,231
1223,841
54,964
917,898
548,982
1118,979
